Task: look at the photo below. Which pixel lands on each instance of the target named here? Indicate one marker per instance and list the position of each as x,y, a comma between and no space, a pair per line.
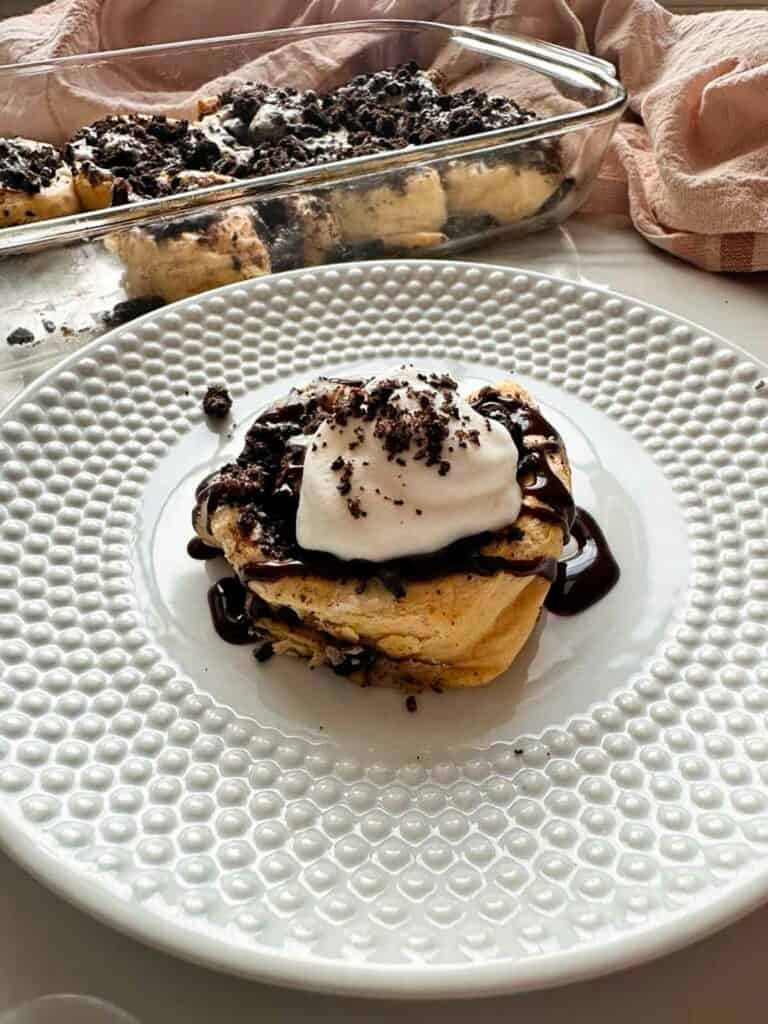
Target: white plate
603,803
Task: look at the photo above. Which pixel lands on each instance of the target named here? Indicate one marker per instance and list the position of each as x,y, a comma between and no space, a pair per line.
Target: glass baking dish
66,280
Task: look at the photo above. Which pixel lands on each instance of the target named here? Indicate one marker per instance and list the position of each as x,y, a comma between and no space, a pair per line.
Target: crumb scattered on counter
128,310
760,384
49,326
264,653
20,336
70,332
519,751
217,402
410,704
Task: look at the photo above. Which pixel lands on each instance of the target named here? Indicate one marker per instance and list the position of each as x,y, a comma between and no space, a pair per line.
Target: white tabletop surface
47,946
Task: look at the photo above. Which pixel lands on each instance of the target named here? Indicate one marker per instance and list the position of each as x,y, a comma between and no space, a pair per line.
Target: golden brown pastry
453,616
405,214
189,256
302,230
35,183
504,191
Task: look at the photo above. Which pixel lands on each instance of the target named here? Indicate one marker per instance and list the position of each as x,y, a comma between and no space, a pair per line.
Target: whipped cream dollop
405,466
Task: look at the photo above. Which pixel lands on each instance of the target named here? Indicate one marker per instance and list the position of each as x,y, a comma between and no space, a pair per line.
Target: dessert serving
35,183
397,532
125,158
184,257
252,130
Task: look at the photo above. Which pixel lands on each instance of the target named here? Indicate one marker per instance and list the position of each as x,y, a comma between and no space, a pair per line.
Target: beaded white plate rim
485,975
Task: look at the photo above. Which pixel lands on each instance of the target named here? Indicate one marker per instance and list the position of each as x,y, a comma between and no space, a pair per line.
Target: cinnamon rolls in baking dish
255,130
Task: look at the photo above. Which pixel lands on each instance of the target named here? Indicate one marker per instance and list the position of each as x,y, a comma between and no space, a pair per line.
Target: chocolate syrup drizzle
579,581
201,551
266,480
227,600
587,576
535,475
464,556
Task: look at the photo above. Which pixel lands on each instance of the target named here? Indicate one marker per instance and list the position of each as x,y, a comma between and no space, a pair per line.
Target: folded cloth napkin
690,168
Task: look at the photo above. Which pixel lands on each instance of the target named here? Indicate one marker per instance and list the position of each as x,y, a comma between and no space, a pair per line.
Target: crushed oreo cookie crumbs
20,336
217,402
420,432
264,652
27,166
410,704
356,509
255,129
130,309
145,155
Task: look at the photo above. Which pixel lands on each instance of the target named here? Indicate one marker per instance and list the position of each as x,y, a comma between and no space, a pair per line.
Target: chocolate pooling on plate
227,602
201,551
588,574
235,610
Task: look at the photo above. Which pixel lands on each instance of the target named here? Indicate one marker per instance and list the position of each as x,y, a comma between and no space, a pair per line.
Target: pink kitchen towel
689,165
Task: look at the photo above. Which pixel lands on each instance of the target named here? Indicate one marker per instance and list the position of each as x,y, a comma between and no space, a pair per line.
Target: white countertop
47,946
